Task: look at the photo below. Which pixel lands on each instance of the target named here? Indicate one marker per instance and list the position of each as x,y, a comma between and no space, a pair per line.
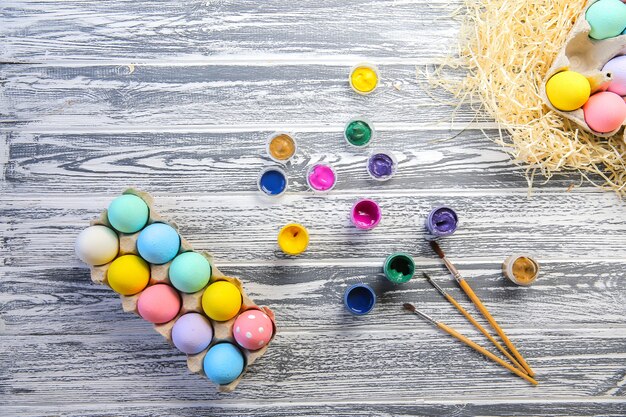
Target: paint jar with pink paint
366,214
321,177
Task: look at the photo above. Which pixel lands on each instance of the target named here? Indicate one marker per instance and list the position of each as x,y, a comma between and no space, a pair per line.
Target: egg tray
159,274
586,56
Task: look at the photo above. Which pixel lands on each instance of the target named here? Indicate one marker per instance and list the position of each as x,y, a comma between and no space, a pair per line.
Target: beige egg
97,245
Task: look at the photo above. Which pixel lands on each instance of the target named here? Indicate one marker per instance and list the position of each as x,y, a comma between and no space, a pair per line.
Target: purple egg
617,68
192,333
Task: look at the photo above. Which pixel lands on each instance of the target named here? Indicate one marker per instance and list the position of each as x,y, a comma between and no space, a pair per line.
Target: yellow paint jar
293,239
364,78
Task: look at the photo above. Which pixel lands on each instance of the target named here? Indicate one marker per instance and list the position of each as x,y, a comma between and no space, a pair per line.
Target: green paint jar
359,132
399,267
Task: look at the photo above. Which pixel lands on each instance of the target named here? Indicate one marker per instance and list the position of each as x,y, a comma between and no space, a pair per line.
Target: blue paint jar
359,299
272,181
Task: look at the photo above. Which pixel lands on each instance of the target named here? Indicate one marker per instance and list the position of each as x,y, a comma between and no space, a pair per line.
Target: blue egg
158,243
190,272
223,363
128,213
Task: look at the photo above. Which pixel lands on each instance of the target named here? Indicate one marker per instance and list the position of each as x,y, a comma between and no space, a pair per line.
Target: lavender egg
617,68
192,333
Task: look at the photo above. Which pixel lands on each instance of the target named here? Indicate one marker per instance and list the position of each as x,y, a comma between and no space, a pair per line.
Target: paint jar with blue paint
272,181
441,221
359,299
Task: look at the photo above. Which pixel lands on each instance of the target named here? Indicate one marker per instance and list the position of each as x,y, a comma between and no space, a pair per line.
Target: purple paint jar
441,221
382,165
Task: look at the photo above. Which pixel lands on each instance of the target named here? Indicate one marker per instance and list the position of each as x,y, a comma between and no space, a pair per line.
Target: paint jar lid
382,165
281,147
359,299
521,269
399,267
359,132
321,177
364,78
272,181
366,214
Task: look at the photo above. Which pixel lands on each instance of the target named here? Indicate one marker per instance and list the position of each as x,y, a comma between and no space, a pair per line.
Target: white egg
97,245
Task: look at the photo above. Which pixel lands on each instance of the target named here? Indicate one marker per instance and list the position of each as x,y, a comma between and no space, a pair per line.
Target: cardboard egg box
586,56
159,274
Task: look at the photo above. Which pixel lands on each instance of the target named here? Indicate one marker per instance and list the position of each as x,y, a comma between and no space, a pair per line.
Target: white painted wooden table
177,98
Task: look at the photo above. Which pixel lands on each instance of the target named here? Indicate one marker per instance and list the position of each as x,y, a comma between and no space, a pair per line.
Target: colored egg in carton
199,310
587,80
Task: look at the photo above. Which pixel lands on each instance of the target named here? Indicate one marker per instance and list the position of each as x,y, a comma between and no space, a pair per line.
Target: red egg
253,329
605,112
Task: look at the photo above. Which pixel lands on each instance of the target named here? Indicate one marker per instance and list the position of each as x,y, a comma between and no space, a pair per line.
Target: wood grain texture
238,227
568,295
213,162
177,98
38,30
224,97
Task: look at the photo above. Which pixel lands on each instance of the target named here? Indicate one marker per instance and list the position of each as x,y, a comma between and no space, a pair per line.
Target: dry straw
506,48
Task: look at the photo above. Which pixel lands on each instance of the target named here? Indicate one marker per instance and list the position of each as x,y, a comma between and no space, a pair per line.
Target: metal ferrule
434,284
425,317
455,272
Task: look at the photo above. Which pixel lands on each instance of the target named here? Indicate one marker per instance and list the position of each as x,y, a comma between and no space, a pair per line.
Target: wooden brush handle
484,331
485,352
494,324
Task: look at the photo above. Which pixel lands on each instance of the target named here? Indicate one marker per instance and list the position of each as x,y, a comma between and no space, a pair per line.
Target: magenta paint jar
366,214
441,221
321,177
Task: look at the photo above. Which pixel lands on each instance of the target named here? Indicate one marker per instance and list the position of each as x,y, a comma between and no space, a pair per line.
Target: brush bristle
409,306
437,249
426,276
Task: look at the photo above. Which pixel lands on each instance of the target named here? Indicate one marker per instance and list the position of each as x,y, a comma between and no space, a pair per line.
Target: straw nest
506,48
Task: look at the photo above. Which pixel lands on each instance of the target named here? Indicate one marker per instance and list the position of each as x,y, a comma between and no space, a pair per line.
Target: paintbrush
410,307
472,320
472,296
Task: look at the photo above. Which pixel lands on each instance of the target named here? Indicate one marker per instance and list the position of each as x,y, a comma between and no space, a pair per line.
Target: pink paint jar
321,178
366,214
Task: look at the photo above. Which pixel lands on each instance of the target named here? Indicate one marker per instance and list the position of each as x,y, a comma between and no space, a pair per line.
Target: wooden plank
243,227
308,298
336,365
194,30
462,407
177,163
226,97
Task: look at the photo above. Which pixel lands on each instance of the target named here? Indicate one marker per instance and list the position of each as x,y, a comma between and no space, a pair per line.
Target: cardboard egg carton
586,56
159,274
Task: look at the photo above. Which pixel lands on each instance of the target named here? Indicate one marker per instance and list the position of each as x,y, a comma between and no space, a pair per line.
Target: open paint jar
281,147
441,221
399,268
359,299
520,269
293,239
366,214
321,177
359,132
272,181
364,78
382,165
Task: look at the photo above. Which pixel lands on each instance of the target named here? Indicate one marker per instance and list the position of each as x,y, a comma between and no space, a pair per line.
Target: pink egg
253,329
159,303
605,112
